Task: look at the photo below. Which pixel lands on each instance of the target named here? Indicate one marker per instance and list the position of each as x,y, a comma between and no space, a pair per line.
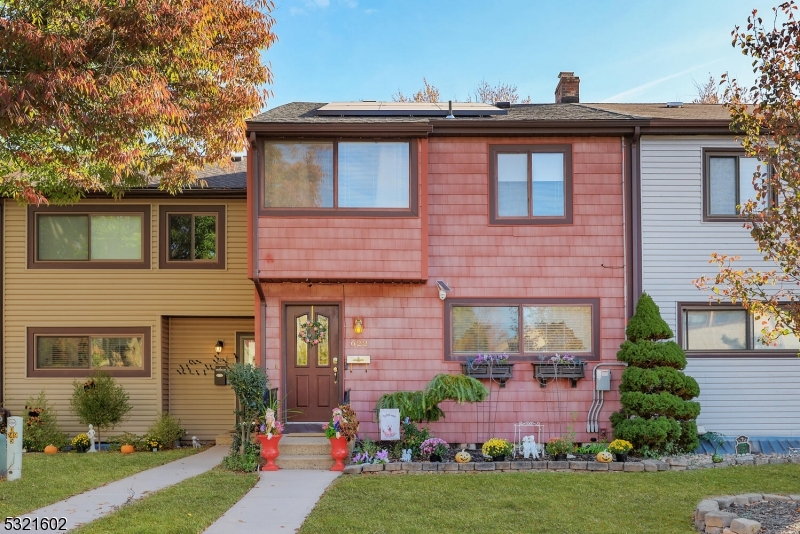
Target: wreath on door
312,332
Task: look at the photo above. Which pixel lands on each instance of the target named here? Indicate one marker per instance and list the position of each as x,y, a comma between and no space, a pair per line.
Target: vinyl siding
113,297
754,396
205,410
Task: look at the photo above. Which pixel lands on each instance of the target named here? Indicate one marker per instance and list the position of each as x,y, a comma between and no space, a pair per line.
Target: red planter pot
269,450
339,452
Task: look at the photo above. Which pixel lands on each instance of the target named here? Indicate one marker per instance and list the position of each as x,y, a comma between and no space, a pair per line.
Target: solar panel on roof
416,109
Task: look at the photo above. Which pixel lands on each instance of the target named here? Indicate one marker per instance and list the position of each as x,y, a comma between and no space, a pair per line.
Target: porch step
304,451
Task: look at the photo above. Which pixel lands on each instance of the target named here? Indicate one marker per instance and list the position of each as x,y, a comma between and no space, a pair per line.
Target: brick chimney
568,90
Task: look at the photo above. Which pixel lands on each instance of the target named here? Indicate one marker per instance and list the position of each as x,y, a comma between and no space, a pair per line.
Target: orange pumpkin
126,449
604,457
50,449
463,457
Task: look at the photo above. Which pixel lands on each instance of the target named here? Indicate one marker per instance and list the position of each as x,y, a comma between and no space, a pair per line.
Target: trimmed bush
41,425
166,430
657,413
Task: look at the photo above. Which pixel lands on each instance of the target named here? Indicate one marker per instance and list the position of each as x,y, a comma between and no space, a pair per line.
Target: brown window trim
521,302
494,150
413,185
163,236
121,209
707,154
748,353
82,331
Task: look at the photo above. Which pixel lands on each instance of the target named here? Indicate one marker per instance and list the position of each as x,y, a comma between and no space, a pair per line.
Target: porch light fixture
218,346
444,289
358,324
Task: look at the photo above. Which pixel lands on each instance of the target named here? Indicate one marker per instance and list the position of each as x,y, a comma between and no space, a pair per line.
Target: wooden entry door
312,371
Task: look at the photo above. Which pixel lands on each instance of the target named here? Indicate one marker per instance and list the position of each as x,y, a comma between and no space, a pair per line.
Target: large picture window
77,351
192,237
729,183
522,328
90,237
727,330
531,184
315,177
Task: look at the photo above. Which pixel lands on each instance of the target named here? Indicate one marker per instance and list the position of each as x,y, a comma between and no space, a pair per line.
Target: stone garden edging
669,464
710,516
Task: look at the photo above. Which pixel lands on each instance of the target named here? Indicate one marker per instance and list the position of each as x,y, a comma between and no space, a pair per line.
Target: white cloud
638,89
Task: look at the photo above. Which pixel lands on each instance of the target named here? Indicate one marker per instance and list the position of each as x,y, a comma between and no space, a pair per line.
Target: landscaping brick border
669,464
711,517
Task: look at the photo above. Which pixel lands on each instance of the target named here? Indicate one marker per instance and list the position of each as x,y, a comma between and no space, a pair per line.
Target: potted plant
491,366
558,448
269,435
434,449
559,366
81,442
497,448
340,430
620,448
152,443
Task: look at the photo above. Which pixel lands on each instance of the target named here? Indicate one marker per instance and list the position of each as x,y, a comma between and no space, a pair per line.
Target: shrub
41,425
424,405
166,430
249,384
99,401
656,412
127,438
412,437
246,461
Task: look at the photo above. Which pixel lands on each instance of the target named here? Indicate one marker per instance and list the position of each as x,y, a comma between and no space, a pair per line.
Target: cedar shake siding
404,322
142,298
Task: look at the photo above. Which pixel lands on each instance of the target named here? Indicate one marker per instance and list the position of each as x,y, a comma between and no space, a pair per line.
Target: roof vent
450,110
503,105
674,104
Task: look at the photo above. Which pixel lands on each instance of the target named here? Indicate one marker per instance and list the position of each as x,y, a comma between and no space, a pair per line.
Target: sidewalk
98,502
279,502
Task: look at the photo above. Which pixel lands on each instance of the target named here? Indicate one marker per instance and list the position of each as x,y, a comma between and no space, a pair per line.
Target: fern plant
423,405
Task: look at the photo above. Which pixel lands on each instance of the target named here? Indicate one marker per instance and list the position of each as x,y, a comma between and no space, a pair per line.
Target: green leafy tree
249,384
767,115
104,96
99,401
41,425
656,412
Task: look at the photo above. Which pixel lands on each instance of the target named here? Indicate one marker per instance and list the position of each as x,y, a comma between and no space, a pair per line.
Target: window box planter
542,371
501,372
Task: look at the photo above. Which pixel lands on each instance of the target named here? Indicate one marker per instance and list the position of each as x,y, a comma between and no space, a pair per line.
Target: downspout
252,250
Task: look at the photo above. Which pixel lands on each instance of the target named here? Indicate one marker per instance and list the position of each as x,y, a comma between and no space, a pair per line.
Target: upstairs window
192,237
531,184
344,176
89,237
729,184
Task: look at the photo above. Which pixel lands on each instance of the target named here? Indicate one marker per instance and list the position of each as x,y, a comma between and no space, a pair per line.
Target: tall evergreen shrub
656,408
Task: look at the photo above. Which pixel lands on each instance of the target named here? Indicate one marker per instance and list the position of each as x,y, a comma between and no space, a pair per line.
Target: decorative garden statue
269,422
91,435
406,457
529,448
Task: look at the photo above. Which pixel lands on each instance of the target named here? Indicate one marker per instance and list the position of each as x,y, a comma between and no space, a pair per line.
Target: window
74,352
192,237
729,183
89,237
547,326
344,176
530,184
728,329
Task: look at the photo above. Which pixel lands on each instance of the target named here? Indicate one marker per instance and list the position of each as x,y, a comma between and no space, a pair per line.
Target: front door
312,369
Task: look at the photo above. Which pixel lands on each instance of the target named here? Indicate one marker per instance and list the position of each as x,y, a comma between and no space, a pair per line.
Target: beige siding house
144,287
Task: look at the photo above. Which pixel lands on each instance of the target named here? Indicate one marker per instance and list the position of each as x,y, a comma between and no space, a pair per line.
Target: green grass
542,502
49,478
189,506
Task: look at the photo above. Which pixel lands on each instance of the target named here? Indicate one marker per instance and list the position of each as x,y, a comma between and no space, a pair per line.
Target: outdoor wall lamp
218,346
444,289
358,324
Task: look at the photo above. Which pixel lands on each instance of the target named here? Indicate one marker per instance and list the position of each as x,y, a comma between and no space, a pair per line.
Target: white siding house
744,388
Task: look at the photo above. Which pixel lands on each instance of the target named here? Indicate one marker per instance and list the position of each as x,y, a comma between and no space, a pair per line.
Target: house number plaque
358,343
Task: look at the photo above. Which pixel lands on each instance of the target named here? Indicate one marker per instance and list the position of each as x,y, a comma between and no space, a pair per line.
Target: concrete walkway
98,502
279,502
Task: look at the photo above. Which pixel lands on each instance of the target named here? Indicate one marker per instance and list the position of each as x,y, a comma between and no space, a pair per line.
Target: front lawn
542,502
189,506
51,478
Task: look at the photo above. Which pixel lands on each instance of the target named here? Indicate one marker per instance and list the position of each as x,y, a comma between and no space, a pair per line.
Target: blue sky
623,51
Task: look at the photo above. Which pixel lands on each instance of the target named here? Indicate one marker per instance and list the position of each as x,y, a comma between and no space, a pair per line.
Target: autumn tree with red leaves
99,95
768,116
